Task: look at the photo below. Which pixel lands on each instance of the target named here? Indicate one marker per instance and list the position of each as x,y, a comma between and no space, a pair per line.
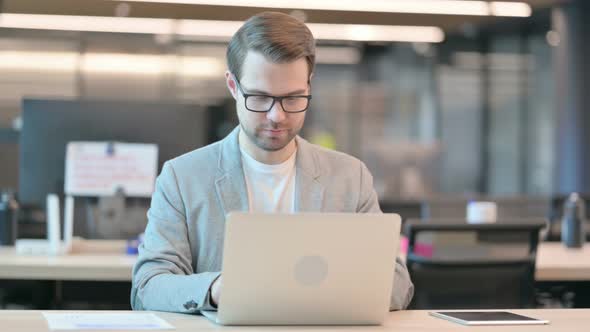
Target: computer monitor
48,125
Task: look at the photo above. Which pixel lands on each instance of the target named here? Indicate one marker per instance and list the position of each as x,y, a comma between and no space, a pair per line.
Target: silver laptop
307,269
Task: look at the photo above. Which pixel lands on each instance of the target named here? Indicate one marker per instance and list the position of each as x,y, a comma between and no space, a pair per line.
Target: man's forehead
257,67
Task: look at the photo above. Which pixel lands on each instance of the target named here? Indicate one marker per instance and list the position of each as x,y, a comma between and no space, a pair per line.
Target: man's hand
216,290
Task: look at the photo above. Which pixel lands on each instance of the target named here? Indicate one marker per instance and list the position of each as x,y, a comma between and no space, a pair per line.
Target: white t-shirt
271,188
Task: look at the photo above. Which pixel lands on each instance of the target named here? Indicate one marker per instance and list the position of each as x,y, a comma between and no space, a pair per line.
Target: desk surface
97,260
562,320
103,261
555,262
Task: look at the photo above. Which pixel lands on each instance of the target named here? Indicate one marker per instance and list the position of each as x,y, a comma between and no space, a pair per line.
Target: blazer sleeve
403,288
163,276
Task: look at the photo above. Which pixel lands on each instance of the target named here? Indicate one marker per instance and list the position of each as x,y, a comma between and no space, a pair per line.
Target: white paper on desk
102,168
105,321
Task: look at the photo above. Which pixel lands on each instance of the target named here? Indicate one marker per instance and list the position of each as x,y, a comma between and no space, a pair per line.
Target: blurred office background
471,107
445,101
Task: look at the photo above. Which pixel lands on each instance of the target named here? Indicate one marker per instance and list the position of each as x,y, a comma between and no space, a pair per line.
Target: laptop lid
308,269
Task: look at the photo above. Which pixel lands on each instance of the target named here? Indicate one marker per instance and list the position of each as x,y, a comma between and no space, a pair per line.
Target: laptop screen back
310,268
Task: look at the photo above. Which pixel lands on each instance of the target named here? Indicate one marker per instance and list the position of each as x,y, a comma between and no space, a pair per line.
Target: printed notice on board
106,321
103,168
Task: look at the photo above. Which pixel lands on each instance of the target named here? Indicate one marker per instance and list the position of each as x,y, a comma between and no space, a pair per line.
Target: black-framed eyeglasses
263,103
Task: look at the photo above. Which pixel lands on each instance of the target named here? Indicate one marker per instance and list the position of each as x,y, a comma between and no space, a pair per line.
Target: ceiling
449,23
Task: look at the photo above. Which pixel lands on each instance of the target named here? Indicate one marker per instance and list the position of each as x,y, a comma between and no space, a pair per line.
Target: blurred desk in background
564,273
105,260
555,262
96,275
94,260
99,271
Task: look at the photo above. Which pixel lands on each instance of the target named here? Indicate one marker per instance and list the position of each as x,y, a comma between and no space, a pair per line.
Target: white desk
562,320
555,262
101,260
92,260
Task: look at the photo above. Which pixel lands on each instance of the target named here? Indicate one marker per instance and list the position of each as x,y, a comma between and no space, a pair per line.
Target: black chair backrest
480,266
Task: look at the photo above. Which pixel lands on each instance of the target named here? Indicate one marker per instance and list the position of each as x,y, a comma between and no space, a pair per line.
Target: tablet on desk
487,318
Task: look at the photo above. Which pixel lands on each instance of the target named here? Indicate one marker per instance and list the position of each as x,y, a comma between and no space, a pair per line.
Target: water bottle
573,233
8,219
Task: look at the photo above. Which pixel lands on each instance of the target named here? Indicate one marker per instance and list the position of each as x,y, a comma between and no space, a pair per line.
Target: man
261,166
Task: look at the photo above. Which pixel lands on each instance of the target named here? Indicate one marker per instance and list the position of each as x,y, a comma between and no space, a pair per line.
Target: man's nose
277,113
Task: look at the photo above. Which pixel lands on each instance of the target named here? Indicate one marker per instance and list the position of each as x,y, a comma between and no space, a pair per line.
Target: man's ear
231,84
310,77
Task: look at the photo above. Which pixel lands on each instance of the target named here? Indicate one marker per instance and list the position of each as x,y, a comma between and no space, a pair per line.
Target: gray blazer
182,249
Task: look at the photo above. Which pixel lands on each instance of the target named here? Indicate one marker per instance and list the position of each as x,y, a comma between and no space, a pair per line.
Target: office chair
473,266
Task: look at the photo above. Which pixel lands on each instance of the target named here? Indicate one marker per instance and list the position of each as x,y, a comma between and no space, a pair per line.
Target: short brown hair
281,38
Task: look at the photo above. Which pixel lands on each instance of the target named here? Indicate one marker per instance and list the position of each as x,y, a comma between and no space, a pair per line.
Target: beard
270,143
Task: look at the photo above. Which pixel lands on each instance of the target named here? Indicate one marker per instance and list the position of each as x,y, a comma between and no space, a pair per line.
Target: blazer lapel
309,191
230,183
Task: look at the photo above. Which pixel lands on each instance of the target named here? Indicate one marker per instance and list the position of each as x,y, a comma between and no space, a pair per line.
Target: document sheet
105,321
